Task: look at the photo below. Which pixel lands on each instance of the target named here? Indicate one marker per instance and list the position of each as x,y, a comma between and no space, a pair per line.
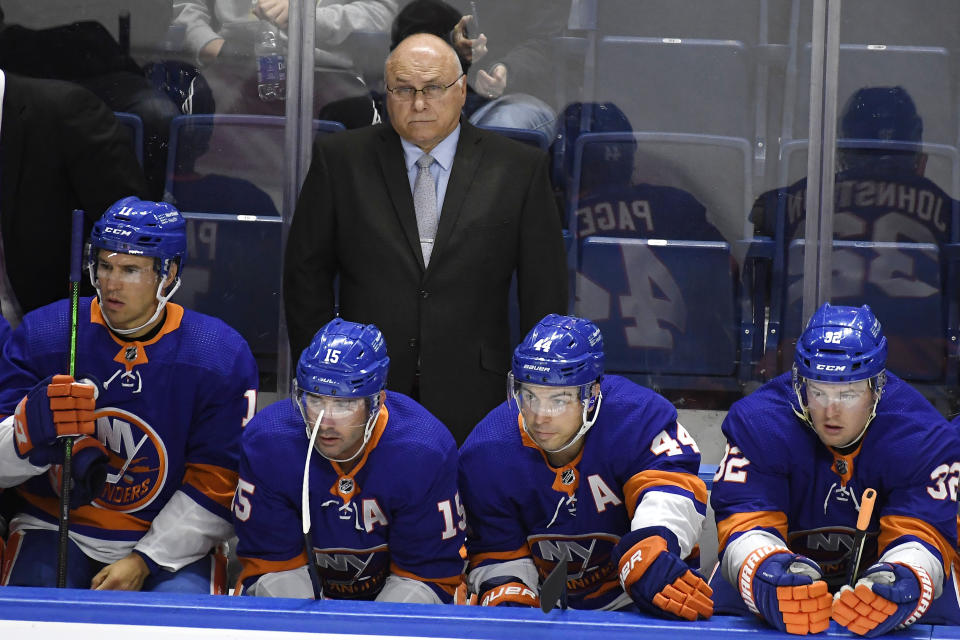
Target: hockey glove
657,580
507,591
55,407
786,590
88,472
888,596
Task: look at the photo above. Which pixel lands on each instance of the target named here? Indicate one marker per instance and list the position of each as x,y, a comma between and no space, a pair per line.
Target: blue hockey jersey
170,412
638,468
778,478
396,513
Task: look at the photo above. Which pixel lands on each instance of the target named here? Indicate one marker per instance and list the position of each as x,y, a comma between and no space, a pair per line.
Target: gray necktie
425,205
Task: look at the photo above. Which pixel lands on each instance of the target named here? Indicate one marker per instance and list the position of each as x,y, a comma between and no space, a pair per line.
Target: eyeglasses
430,92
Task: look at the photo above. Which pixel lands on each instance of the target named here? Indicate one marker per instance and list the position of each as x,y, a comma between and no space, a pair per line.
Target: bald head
423,46
424,60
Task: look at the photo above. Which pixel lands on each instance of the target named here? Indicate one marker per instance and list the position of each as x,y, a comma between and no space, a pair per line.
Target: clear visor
542,400
115,268
845,394
337,411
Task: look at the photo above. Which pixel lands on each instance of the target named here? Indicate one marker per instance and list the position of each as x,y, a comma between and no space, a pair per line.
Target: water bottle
271,65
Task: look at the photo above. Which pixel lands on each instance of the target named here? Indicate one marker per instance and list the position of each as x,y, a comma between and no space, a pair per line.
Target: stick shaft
867,503
76,255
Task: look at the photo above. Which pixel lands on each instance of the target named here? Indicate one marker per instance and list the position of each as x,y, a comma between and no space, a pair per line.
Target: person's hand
888,596
658,581
786,590
276,11
470,49
57,406
210,51
507,591
493,84
88,471
126,574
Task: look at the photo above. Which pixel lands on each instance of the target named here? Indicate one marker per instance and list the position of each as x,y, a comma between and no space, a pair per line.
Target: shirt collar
443,153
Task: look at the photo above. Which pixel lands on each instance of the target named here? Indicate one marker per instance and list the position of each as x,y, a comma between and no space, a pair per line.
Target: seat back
891,277
665,307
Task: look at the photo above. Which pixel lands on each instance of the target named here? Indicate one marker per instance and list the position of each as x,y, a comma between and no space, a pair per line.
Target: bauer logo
535,367
138,463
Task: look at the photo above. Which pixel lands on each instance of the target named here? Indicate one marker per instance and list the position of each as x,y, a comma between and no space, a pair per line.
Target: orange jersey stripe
477,558
215,482
88,515
259,567
449,584
739,522
892,527
653,478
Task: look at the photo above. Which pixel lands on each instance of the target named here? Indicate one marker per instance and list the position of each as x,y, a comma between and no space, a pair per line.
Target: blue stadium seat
668,309
134,125
224,173
532,137
889,276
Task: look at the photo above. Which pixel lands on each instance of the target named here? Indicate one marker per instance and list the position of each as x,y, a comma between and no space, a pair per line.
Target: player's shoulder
764,421
907,420
47,328
624,399
210,342
497,433
277,428
414,433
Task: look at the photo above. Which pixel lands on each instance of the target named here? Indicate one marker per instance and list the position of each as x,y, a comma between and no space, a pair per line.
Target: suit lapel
390,154
465,163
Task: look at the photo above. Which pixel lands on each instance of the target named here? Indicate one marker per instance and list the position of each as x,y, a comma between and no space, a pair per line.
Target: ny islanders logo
137,468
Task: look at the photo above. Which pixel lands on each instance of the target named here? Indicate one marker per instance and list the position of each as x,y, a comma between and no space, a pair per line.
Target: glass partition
678,132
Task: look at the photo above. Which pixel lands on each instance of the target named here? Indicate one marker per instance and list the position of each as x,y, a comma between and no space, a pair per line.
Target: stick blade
554,588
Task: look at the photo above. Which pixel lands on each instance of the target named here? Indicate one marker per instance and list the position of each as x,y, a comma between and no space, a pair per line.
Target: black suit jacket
355,218
61,149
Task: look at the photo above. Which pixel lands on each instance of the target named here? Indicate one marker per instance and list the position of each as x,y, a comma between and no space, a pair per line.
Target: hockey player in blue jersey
586,467
801,451
161,400
382,512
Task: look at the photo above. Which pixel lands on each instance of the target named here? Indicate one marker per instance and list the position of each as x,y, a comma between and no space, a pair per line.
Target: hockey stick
305,507
554,588
863,521
76,253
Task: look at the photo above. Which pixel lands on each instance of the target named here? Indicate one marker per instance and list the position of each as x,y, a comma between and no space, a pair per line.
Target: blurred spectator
60,149
508,56
86,53
880,195
619,197
221,34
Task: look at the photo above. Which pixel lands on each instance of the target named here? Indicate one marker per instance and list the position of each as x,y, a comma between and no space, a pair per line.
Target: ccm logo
116,231
831,367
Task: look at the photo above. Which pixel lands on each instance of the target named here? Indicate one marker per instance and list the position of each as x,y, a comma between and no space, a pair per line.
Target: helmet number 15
332,356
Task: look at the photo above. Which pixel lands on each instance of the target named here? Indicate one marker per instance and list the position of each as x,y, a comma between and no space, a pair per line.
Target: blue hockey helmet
141,228
841,344
345,360
561,351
